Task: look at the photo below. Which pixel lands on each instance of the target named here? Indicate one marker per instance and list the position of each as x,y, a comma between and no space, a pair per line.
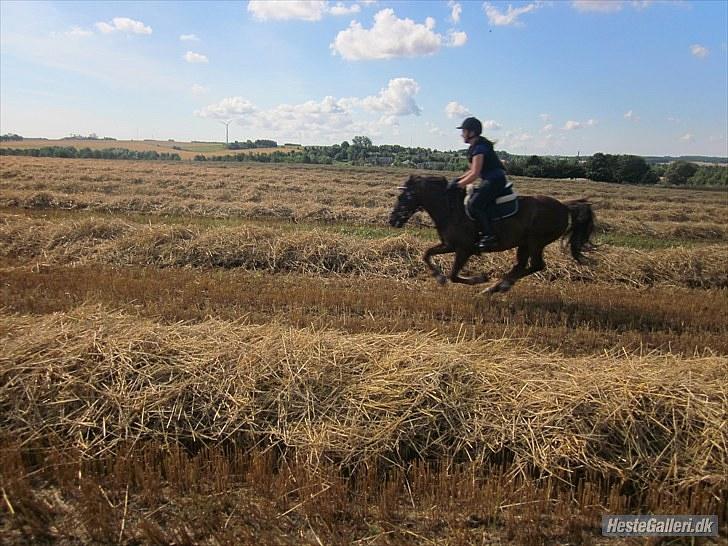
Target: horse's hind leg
519,270
442,248
461,257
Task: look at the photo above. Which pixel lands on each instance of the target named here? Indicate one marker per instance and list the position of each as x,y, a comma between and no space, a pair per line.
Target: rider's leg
482,197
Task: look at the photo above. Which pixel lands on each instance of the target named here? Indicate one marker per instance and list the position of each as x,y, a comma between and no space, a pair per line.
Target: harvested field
186,150
240,354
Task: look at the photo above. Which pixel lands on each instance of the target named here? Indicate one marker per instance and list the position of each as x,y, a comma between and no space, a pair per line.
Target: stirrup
487,242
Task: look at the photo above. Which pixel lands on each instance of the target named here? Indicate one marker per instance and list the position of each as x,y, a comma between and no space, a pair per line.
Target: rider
485,165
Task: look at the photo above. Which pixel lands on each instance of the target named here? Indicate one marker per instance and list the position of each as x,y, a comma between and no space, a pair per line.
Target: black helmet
472,124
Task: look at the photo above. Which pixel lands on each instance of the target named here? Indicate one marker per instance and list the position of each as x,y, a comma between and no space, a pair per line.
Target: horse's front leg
442,248
461,258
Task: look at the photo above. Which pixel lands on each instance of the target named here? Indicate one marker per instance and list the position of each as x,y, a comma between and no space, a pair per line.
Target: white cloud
231,107
434,129
390,37
455,11
397,99
454,109
699,51
491,124
609,6
123,24
192,57
600,6
343,9
323,120
688,137
515,140
265,10
547,128
545,117
199,90
572,125
78,32
510,16
189,38
457,38
641,4
631,116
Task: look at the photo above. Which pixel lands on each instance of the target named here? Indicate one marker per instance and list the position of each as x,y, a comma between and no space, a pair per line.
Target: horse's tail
581,228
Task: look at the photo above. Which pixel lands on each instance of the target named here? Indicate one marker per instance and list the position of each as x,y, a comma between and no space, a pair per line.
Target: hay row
94,379
323,193
314,251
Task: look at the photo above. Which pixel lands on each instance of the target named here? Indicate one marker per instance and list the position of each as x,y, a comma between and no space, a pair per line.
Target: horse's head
408,202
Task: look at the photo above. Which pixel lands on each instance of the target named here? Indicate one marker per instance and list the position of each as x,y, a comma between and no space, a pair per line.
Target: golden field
186,150
248,354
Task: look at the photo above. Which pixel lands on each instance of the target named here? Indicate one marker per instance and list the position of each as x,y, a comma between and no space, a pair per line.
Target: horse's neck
439,210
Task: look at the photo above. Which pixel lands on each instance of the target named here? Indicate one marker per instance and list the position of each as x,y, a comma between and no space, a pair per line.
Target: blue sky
557,77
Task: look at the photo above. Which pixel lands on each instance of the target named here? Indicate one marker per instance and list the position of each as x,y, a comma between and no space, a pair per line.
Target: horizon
111,139
644,78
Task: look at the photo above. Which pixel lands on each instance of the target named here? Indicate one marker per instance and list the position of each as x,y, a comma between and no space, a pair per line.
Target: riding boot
488,241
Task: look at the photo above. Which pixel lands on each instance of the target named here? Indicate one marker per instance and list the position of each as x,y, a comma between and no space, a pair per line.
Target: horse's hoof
504,286
483,277
441,279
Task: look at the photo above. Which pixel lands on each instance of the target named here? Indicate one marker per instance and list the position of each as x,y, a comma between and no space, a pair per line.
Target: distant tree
599,168
679,172
362,142
650,178
631,169
10,136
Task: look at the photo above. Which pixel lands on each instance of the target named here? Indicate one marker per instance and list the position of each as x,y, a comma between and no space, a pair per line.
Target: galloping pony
540,220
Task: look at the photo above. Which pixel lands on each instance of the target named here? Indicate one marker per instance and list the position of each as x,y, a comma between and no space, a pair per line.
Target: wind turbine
226,124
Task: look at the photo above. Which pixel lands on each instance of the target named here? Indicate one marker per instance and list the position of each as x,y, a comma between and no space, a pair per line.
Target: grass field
186,150
248,354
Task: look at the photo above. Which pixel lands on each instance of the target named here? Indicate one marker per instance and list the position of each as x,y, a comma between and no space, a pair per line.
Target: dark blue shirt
492,165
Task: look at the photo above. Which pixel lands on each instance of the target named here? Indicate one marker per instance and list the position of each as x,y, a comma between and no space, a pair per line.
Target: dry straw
316,251
96,380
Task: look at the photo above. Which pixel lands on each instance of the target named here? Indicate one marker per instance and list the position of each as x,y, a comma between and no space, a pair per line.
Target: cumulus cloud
510,16
230,107
397,99
306,10
547,128
198,89
78,32
454,109
601,6
123,24
699,51
456,38
455,11
189,38
608,6
572,125
192,57
325,118
491,124
687,137
391,37
342,9
631,116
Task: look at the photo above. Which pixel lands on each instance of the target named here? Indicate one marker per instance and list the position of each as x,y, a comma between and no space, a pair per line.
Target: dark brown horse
540,221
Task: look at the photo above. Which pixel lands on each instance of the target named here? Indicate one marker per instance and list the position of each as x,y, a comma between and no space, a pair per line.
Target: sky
545,77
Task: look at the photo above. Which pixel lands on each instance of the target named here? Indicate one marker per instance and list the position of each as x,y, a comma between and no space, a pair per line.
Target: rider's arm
474,173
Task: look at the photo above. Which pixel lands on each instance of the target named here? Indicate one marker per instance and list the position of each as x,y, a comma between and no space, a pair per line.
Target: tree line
621,169
88,153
